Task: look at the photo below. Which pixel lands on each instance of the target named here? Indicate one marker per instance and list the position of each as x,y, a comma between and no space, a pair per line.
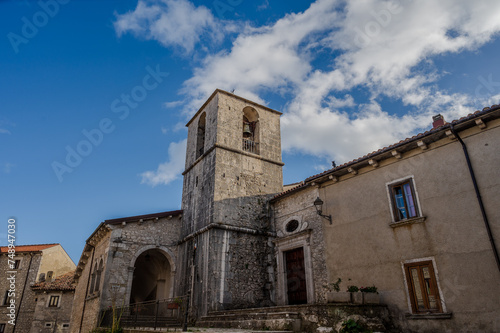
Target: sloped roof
476,115
143,217
28,248
64,282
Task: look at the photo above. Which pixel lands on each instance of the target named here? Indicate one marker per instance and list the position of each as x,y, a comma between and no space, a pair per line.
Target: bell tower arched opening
200,139
251,130
152,277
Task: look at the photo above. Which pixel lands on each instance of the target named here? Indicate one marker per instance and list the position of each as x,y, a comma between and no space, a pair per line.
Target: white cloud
4,131
173,104
7,167
170,170
323,57
386,49
170,22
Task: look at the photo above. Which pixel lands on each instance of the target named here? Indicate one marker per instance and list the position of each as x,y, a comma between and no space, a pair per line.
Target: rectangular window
6,298
422,287
54,301
2,327
17,264
404,201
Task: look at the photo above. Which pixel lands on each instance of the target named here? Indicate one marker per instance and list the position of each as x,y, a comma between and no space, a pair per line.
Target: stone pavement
209,330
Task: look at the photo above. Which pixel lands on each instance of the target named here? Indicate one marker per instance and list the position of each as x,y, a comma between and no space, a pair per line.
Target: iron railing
160,313
251,146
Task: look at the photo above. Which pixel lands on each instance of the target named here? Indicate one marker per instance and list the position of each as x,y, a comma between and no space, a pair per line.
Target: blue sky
95,94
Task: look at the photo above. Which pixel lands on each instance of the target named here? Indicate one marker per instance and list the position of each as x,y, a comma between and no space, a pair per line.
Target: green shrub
352,326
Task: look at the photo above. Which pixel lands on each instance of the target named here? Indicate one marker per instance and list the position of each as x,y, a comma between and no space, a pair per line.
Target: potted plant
334,294
175,304
370,295
356,296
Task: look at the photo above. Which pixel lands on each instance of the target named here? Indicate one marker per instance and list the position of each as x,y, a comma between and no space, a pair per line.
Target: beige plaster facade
365,245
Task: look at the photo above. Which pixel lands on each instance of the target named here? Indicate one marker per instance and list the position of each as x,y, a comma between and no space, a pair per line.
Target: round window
292,226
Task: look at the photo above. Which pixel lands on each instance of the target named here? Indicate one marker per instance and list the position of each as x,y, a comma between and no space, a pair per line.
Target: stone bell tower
233,166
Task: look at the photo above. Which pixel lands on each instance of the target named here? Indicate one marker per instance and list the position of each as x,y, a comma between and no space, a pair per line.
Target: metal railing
160,313
251,146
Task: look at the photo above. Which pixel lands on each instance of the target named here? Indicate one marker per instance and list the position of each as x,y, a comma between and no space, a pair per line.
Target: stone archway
152,277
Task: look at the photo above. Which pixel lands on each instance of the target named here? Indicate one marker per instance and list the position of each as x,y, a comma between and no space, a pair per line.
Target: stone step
256,319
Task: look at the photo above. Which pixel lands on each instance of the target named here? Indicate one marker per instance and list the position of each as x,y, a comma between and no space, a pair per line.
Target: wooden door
296,276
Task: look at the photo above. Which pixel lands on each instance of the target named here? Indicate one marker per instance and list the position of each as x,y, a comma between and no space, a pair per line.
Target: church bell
247,132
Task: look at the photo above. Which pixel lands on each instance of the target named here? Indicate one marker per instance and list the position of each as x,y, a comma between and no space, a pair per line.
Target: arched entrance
152,277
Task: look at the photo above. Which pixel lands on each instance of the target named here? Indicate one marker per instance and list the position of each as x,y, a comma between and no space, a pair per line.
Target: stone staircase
300,318
266,319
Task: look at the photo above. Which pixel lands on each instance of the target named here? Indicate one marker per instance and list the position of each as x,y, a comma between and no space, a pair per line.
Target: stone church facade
405,219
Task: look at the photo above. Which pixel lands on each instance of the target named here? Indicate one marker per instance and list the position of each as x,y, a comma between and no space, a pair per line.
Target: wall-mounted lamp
318,203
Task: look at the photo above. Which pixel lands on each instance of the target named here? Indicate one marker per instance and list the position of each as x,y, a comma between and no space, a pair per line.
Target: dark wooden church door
296,276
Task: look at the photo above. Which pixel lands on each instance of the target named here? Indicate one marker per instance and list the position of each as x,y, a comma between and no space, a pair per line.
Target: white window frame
391,199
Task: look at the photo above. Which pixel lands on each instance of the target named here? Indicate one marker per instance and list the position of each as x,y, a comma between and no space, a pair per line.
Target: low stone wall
313,318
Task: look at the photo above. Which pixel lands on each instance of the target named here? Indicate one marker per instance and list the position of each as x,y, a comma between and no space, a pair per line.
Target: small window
404,202
200,139
98,276
422,287
292,226
48,324
54,301
65,325
6,298
2,327
17,264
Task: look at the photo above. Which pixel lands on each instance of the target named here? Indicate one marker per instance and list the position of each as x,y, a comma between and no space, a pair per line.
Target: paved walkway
213,330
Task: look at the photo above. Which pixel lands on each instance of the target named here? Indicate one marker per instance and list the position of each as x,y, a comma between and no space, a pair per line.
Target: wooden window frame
433,287
394,205
57,298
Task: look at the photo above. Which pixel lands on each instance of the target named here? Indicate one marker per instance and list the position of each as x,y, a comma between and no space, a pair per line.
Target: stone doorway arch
152,277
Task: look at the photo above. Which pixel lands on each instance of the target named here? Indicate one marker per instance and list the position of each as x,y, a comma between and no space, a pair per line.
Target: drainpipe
87,288
479,199
24,289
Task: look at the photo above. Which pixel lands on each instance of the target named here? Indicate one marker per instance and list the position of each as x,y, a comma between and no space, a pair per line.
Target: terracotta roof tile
290,191
63,282
143,217
413,138
28,248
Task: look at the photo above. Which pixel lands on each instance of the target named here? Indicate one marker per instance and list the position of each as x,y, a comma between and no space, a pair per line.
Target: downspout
22,295
87,288
478,195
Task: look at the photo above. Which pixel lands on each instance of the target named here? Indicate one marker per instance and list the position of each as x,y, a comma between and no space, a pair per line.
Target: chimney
437,121
49,276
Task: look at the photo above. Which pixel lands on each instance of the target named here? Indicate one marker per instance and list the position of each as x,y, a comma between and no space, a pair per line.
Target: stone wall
227,188
87,304
127,243
25,297
119,248
52,319
299,207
